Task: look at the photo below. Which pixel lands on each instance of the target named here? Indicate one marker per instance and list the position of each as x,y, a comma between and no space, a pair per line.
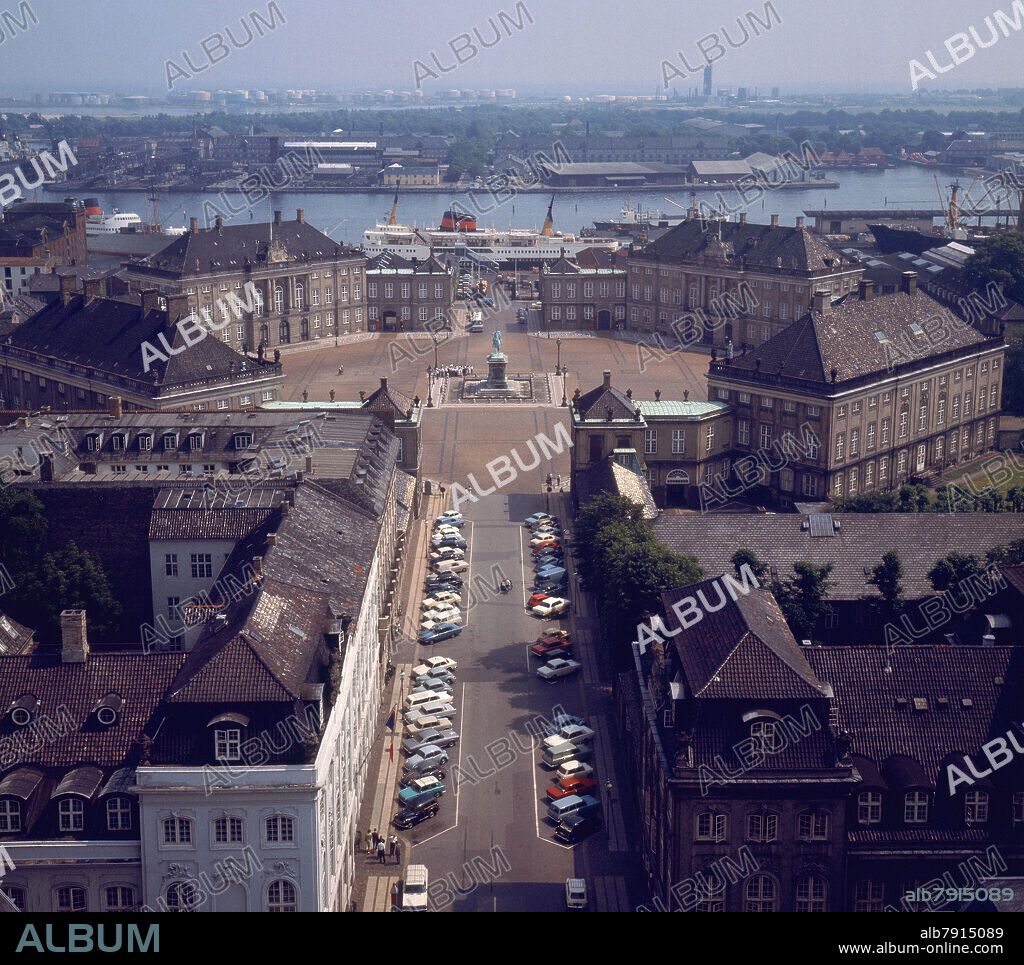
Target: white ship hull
556,248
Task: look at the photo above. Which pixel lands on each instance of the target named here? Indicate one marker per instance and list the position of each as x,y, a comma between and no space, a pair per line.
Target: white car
552,607
427,722
442,530
448,553
450,564
434,663
440,599
576,733
434,618
556,668
575,769
537,517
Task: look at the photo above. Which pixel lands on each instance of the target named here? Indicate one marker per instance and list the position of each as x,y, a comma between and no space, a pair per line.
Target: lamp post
558,363
430,388
565,370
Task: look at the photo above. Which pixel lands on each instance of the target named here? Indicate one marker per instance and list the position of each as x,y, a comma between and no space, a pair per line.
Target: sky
574,47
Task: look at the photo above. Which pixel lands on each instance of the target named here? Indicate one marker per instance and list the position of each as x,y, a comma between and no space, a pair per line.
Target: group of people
381,845
506,586
450,370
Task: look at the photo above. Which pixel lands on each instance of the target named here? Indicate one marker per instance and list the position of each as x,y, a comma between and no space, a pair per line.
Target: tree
749,558
1013,377
885,577
999,259
1012,554
952,569
913,498
802,598
22,530
70,580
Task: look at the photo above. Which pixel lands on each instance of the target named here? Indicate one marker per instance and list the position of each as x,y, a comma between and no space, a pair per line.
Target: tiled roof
609,476
594,405
190,524
868,699
744,649
844,339
388,399
862,539
14,638
758,245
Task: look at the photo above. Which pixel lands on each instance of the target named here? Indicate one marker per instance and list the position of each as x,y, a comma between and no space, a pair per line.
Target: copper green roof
680,409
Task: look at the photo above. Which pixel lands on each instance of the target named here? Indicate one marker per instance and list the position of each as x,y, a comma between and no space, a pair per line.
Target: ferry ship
635,221
122,232
459,234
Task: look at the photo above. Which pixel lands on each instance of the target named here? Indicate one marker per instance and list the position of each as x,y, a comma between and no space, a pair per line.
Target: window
281,896
202,566
841,412
811,893
760,894
71,898
904,420
915,807
854,443
118,898
766,435
227,743
939,448
16,896
650,441
869,475
177,831
883,469
968,403
181,897
119,470
71,814
280,830
814,410
993,396
678,442
788,406
901,463
762,827
976,807
711,826
813,825
840,447
10,816
145,442
871,436
1018,807
709,442
869,807
119,814
299,297
869,896
762,735
743,432
744,397
710,895
228,830
767,402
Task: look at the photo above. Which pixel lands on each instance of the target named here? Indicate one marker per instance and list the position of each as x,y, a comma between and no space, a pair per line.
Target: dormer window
195,441
23,710
108,710
145,441
119,814
227,736
243,440
93,441
71,814
10,815
976,807
915,807
170,441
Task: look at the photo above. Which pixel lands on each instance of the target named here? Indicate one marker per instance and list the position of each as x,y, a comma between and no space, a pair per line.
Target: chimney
271,539
46,467
150,301
908,283
257,565
775,220
607,379
822,302
300,216
383,382
114,407
177,307
800,221
74,642
865,289
743,217
68,287
309,464
23,422
285,506
277,217
193,225
93,288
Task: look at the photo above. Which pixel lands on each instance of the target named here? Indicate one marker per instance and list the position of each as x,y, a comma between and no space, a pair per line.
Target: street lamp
565,370
558,363
430,388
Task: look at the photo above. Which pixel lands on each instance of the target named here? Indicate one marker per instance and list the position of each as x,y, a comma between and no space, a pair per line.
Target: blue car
452,542
421,789
443,631
457,521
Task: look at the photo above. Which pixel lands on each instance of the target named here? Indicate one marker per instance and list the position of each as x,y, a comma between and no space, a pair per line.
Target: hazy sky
573,46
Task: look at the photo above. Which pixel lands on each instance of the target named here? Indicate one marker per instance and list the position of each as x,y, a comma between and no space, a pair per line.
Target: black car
575,828
443,586
437,579
410,817
455,542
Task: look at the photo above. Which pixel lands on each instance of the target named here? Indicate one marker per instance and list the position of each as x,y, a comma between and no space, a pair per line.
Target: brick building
409,295
36,238
583,298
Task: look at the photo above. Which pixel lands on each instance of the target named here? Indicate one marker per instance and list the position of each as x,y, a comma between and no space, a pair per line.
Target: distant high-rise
707,81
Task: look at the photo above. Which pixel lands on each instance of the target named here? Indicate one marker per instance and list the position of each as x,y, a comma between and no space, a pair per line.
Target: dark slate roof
72,691
388,399
882,729
756,245
108,333
231,245
844,339
223,524
594,405
389,260
778,540
745,649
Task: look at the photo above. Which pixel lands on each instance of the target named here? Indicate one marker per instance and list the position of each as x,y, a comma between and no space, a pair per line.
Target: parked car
434,663
440,738
440,579
576,827
443,631
456,520
420,787
445,676
553,633
433,687
544,546
536,598
414,890
548,559
476,326
574,768
544,538
445,586
427,756
411,816
442,542
536,518
441,598
552,648
559,721
578,733
446,553
449,564
440,532
430,623
445,709
443,613
426,722
575,893
556,606
559,667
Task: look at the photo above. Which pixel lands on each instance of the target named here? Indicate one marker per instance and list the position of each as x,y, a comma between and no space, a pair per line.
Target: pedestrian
375,838
355,907
359,840
381,856
392,841
398,852
369,841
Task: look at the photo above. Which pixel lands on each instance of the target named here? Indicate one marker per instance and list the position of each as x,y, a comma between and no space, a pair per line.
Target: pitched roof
743,649
388,399
861,541
14,638
595,404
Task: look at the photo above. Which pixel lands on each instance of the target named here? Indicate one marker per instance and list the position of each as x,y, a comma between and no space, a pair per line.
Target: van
414,894
575,893
573,804
424,697
562,752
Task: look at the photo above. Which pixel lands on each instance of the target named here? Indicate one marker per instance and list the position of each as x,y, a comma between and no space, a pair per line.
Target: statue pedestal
497,362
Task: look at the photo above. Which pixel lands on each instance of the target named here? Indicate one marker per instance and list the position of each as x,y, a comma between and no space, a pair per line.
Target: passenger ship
459,235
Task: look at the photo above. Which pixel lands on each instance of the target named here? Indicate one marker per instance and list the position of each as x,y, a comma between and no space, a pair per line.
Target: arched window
279,300
760,894
812,893
16,896
181,896
305,329
228,830
71,898
118,898
299,297
710,893
284,333
281,896
177,831
257,301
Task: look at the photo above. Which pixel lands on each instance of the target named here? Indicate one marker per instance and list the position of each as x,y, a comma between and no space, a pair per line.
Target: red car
537,598
571,785
552,648
542,548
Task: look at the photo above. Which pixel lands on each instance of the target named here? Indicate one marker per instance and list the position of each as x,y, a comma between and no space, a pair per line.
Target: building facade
584,299
410,296
35,238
